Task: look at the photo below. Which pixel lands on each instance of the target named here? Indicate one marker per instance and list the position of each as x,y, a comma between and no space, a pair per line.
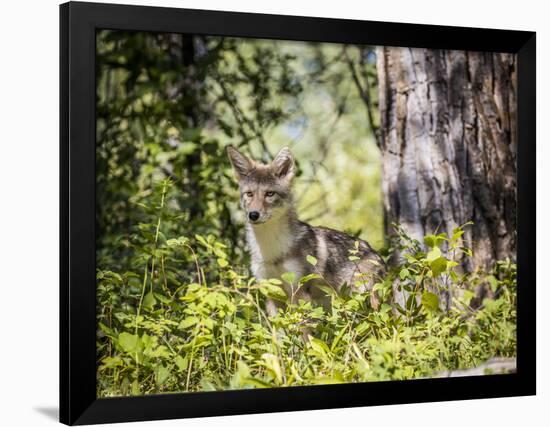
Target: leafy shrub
184,318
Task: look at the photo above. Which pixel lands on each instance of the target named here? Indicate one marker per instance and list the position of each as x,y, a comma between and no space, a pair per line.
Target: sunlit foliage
185,318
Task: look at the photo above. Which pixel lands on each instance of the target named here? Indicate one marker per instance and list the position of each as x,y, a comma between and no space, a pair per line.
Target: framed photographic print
273,213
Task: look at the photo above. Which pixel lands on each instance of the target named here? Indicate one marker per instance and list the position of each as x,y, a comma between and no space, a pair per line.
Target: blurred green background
168,104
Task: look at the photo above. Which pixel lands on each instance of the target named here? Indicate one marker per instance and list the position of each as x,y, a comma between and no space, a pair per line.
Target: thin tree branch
364,94
241,118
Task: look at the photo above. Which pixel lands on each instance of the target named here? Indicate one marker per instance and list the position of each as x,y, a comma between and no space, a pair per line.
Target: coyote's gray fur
279,242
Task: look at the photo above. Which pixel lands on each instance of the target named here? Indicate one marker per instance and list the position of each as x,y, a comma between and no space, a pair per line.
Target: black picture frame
78,25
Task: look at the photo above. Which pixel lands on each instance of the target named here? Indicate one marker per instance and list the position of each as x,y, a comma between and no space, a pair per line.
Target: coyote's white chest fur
270,245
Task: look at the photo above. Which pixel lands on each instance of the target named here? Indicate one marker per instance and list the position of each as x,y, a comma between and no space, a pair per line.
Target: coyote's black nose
253,215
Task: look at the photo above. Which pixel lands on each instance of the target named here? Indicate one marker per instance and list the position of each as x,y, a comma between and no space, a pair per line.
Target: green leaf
289,277
320,348
222,262
430,240
110,363
273,366
309,277
493,281
148,342
457,233
433,241
240,375
128,342
162,374
362,328
188,322
182,363
433,254
208,323
202,241
384,308
149,301
378,286
336,340
327,289
438,266
430,301
273,291
162,298
311,259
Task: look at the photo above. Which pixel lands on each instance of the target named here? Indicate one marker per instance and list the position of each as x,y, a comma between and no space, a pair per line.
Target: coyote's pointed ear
241,164
283,164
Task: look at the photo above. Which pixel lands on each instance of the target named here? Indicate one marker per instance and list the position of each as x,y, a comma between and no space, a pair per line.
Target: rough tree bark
448,140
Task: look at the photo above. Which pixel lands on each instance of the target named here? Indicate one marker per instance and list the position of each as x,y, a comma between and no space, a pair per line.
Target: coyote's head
265,189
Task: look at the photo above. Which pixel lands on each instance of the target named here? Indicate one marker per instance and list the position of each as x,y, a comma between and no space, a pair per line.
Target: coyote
279,242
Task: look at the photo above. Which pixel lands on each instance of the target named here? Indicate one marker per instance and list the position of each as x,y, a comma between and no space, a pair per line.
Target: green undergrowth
182,317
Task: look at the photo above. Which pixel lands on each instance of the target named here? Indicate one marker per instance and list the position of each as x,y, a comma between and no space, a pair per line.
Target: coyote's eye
269,193
248,194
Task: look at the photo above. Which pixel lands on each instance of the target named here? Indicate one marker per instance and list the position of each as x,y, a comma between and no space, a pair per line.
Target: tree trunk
448,141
